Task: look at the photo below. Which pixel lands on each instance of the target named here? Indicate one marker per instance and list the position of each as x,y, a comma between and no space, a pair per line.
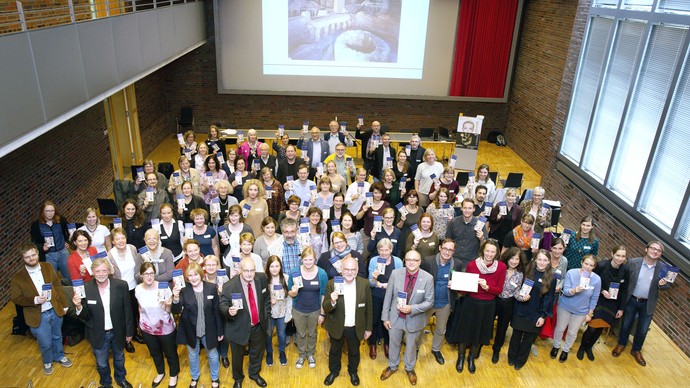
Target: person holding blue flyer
641,299
36,287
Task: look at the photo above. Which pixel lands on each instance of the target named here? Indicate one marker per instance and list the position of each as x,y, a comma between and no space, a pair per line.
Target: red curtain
482,47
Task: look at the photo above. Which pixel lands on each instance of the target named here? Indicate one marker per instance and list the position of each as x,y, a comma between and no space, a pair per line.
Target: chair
514,180
186,118
463,177
426,132
107,207
444,132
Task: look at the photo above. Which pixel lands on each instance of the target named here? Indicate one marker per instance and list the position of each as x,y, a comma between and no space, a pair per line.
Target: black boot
460,364
581,351
474,350
494,358
461,358
470,363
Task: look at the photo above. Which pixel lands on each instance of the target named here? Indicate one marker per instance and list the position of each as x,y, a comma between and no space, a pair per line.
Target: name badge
587,247
622,281
394,241
91,302
420,291
207,236
361,305
512,283
445,276
314,282
374,213
164,237
258,209
431,244
209,296
263,290
540,281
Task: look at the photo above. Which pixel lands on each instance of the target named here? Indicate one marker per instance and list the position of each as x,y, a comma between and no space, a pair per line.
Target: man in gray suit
409,295
641,298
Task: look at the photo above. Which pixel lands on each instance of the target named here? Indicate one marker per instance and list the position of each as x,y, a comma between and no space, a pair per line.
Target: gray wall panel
127,47
98,54
166,31
60,68
20,99
50,75
148,38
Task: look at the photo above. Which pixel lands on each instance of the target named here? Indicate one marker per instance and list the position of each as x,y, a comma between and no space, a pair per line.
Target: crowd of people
239,244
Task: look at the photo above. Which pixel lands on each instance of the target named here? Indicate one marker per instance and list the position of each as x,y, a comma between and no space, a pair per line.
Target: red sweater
493,280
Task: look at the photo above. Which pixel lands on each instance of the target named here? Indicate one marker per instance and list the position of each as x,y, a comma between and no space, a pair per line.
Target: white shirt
350,299
105,298
37,278
98,236
386,155
423,175
126,266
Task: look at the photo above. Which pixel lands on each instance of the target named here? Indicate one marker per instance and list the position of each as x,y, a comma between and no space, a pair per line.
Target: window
627,132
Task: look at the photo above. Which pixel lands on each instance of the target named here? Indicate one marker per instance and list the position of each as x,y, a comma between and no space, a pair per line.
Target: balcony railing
18,16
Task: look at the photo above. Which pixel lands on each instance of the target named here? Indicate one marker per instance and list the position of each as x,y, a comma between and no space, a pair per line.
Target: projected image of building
344,30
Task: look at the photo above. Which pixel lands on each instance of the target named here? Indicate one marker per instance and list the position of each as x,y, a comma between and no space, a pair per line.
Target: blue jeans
635,309
103,364
49,336
211,354
279,324
59,262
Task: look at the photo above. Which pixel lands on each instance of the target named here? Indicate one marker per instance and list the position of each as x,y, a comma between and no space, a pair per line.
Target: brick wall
69,165
552,34
192,82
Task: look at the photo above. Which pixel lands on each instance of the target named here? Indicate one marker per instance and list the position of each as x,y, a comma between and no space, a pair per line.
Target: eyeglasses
655,249
338,242
447,249
148,274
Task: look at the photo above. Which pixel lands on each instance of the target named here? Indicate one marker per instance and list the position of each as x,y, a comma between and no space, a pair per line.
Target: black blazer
378,160
365,136
285,169
93,315
430,265
634,265
238,327
186,330
271,163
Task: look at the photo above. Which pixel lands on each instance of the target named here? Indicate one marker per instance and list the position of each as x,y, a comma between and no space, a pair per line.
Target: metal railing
30,14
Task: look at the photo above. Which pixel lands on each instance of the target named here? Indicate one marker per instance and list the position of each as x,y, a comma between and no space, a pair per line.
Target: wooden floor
666,363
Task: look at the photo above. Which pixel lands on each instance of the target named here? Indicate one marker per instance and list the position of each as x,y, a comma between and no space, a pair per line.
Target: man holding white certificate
441,267
410,293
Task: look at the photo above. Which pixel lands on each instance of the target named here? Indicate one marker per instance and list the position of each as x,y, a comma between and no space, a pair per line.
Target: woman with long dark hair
614,282
515,261
531,309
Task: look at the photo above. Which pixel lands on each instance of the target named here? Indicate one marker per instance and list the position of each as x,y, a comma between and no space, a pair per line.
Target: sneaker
65,362
48,369
312,362
283,359
534,351
300,363
269,359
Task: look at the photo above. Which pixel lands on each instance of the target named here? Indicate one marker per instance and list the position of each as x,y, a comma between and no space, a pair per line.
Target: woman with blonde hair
254,206
249,150
100,235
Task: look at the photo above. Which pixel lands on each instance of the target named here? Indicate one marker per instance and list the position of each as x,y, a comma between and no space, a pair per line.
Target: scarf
522,240
342,255
483,269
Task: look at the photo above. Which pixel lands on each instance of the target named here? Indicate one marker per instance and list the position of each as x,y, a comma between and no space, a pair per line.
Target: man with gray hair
410,293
